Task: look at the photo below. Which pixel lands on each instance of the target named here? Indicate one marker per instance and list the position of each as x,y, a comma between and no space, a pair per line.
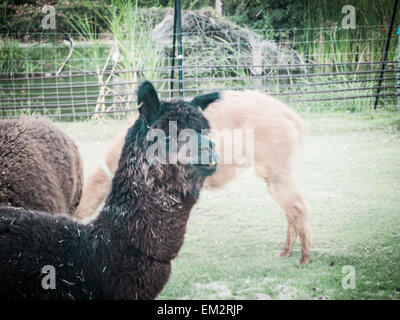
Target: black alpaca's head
168,144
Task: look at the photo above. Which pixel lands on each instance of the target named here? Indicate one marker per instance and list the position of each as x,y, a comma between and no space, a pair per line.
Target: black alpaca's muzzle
206,161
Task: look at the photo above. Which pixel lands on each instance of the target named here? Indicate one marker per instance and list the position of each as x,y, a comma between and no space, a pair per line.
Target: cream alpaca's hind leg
284,191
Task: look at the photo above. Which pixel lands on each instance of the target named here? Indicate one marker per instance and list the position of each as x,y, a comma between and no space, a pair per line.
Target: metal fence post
385,53
398,69
257,61
180,52
177,36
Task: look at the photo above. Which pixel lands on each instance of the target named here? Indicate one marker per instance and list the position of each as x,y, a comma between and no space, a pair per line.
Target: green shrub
24,21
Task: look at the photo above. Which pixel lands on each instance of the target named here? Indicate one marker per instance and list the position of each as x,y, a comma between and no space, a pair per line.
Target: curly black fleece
126,252
40,166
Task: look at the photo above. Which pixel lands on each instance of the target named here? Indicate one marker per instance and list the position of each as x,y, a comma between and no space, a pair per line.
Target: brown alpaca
40,166
278,133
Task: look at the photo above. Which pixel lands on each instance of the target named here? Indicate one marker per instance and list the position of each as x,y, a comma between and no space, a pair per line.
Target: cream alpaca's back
278,133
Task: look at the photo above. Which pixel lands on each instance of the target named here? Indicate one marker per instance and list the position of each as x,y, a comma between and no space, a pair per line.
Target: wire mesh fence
313,69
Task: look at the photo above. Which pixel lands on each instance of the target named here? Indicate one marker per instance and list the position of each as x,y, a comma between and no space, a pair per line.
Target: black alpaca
126,252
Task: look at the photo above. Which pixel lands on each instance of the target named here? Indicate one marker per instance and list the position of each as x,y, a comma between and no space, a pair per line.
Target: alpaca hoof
285,253
305,260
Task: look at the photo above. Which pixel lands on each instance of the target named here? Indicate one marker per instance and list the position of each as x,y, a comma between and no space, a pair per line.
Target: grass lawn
350,175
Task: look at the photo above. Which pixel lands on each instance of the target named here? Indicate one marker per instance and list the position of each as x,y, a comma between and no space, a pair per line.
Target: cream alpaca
278,133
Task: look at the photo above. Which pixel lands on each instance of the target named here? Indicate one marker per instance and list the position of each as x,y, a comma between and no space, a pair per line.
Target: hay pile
211,39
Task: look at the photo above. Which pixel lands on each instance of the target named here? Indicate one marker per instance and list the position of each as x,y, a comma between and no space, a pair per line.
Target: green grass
350,174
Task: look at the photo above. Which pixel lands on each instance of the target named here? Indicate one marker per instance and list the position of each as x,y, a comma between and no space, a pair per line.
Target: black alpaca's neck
143,211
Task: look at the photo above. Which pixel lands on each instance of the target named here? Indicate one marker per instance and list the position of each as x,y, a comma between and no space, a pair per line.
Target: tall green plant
133,37
93,50
132,51
12,58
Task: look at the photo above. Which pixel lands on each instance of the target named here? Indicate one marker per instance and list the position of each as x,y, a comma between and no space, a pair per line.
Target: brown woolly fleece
40,166
278,134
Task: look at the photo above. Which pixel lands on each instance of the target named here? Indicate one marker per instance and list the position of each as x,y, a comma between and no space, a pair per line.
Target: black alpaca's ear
204,100
148,102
